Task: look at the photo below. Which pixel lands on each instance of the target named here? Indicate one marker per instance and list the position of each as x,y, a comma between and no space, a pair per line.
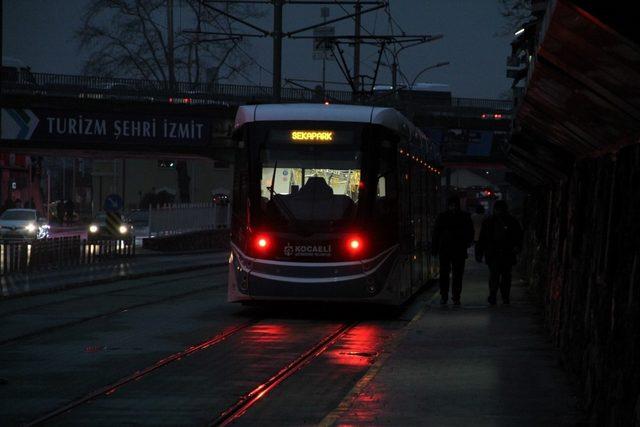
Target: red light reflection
269,333
360,347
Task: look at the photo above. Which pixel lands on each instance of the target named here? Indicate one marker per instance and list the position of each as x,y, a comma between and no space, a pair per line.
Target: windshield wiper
273,180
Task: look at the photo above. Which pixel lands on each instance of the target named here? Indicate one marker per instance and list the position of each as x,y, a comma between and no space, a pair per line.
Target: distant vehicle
428,93
220,199
431,87
115,91
138,218
196,97
22,225
382,88
16,76
101,229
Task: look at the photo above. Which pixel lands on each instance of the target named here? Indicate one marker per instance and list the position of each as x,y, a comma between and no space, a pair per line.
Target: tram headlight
93,228
123,229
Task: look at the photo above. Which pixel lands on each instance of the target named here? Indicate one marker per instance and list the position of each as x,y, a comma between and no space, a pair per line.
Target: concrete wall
582,259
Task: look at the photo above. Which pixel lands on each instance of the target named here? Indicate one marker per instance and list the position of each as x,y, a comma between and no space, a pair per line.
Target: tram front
315,214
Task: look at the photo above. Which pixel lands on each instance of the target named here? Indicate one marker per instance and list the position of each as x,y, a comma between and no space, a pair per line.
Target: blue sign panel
113,203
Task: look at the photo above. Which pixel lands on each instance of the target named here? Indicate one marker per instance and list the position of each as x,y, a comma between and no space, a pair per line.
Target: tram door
407,238
417,226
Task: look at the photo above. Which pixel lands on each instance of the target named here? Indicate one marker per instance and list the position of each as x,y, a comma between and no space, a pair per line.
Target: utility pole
277,49
356,51
324,13
277,34
170,50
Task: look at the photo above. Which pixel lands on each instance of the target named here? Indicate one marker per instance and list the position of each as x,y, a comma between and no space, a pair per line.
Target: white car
22,225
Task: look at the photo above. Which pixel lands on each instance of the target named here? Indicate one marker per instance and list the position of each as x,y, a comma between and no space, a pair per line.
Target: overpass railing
105,88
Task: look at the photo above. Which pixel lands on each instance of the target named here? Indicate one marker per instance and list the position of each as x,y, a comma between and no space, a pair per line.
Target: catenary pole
277,49
356,51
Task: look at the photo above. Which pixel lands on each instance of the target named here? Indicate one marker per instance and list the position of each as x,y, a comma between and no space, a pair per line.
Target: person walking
452,235
500,242
69,208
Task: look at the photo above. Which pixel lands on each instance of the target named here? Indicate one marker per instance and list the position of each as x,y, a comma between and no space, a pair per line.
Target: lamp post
430,67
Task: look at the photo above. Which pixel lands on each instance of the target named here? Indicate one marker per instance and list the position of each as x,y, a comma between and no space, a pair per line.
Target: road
169,350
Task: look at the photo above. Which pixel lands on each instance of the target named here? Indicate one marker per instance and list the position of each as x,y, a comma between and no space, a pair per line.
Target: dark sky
40,33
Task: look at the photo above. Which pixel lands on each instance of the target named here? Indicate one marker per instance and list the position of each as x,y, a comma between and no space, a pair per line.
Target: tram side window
386,193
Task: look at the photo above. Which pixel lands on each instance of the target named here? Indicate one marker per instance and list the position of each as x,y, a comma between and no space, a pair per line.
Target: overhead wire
237,45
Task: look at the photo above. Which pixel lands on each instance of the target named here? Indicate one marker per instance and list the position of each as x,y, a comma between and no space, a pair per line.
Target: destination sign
308,136
311,137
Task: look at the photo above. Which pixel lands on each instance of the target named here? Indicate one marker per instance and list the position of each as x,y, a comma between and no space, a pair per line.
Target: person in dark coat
452,235
69,208
500,242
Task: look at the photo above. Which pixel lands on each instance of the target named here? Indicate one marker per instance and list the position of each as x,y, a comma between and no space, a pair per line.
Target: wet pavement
169,350
469,365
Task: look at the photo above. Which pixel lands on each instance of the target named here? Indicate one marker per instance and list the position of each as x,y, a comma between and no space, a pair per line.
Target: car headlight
123,229
30,228
93,228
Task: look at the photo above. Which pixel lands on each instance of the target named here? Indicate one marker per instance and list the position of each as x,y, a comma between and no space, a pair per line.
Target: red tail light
355,245
262,243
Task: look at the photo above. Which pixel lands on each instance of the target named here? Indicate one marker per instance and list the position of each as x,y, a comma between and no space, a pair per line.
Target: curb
106,280
194,252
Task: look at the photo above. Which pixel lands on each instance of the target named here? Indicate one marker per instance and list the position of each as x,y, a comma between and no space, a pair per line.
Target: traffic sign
113,203
322,45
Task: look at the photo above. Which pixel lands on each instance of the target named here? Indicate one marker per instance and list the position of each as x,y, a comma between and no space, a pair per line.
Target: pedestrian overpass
48,114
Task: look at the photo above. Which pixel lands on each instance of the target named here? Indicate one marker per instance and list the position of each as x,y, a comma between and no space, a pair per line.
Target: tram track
263,381
243,404
98,294
137,375
119,310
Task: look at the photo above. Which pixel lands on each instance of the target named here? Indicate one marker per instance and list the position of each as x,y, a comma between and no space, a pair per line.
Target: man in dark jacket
452,235
500,241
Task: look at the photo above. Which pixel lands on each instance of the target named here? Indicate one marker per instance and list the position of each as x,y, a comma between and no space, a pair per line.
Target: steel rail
119,310
238,409
58,292
111,388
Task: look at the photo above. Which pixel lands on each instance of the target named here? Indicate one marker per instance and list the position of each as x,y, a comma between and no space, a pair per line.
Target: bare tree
137,38
131,38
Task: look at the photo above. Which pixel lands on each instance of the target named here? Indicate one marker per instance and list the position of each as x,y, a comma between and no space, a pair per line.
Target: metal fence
59,252
90,87
181,218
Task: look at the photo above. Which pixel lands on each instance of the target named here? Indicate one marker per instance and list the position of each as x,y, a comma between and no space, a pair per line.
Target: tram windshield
316,186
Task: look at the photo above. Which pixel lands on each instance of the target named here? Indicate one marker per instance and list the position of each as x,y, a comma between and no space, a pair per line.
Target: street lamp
430,67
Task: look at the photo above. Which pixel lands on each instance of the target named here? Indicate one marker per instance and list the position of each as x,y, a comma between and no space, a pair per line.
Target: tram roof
387,117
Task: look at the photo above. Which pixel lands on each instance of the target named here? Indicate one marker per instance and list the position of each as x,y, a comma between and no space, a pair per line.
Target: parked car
102,228
22,225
